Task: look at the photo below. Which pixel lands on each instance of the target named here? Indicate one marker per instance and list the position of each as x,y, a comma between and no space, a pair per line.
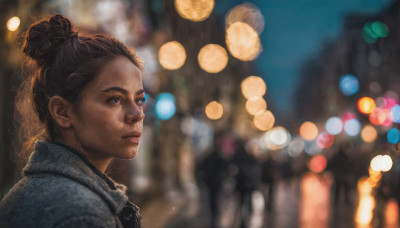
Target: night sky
295,31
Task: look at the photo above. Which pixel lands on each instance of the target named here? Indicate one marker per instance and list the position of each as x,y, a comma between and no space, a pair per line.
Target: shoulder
83,221
50,199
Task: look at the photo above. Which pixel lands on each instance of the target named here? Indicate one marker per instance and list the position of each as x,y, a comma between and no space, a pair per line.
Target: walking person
82,107
248,179
213,171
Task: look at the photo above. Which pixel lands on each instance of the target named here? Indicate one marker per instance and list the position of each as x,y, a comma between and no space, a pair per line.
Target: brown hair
65,61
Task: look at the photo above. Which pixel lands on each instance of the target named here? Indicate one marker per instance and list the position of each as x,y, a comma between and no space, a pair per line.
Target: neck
100,162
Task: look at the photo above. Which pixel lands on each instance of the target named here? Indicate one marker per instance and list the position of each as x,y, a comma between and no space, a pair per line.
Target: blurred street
303,203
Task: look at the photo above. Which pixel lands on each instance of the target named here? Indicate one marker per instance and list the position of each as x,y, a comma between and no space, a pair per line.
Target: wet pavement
304,202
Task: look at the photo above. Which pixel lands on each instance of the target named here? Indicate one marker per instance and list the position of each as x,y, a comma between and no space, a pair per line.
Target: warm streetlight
253,86
194,10
369,133
212,58
247,13
214,110
172,55
365,105
308,130
255,104
264,120
243,41
13,23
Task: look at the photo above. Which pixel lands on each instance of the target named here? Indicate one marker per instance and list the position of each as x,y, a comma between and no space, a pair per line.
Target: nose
134,114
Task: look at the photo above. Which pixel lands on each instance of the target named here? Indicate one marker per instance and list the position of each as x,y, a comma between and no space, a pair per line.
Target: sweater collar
60,159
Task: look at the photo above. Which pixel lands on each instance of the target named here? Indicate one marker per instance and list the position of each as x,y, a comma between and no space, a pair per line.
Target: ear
60,111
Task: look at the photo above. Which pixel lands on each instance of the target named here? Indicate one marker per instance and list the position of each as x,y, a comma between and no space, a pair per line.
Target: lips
133,137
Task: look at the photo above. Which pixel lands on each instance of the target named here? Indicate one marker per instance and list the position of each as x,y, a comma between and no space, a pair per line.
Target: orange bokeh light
253,86
308,130
369,133
366,105
214,110
255,104
264,120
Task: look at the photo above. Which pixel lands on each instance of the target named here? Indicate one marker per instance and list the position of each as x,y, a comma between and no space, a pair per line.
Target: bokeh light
247,13
393,136
390,102
381,102
212,58
381,163
334,125
352,127
194,10
317,163
324,140
368,35
308,130
276,138
312,148
369,133
365,105
395,113
380,29
348,116
255,104
366,202
391,213
372,31
264,120
253,86
214,110
165,106
380,116
243,41
172,55
348,85
13,23
296,147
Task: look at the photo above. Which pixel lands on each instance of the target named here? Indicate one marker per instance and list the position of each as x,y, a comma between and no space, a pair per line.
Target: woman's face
108,121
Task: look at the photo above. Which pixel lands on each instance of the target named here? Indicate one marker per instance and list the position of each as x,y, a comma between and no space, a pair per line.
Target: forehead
120,72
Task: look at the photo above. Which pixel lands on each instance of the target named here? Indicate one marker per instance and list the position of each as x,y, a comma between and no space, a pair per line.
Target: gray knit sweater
61,188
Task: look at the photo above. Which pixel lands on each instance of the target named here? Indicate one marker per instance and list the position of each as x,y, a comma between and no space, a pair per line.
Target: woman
87,95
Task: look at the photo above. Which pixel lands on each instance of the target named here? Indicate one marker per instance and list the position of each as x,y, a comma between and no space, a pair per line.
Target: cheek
98,123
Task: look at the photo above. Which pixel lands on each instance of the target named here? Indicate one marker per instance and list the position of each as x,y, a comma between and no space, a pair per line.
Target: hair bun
45,37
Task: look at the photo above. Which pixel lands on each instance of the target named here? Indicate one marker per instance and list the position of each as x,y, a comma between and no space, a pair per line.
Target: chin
130,154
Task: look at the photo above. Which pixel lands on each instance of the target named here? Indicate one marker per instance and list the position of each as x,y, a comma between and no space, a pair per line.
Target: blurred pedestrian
248,179
268,177
82,107
214,170
343,173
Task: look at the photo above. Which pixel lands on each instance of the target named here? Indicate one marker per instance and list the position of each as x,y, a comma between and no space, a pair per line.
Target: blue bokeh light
393,136
334,125
146,98
165,106
395,112
352,127
349,84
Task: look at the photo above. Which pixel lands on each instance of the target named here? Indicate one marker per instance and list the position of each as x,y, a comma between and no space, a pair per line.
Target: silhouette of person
342,170
213,170
248,179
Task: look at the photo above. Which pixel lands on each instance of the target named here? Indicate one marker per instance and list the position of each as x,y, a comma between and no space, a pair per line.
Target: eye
140,101
114,100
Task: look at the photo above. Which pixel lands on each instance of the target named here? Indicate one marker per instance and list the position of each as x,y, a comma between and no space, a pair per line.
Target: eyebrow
121,90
